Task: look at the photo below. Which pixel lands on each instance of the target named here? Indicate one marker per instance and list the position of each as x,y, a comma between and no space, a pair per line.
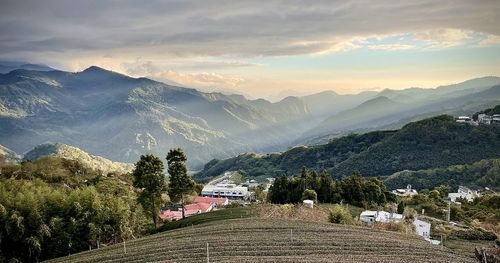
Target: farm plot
272,240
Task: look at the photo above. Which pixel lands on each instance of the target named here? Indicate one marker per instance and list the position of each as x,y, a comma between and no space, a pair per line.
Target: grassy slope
271,240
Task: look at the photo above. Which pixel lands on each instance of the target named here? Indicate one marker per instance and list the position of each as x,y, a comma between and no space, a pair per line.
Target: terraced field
271,240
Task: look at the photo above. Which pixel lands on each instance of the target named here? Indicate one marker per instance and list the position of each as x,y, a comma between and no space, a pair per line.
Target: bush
474,234
340,215
233,205
309,194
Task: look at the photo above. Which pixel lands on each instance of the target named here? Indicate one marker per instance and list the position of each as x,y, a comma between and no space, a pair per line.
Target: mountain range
119,117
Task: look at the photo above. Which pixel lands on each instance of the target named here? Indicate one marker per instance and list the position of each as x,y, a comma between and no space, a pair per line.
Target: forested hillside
484,173
436,142
54,207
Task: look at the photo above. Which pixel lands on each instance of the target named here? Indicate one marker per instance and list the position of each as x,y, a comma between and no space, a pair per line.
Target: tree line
322,188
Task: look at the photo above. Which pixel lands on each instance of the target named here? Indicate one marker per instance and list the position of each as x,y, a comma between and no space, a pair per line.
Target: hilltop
429,143
60,150
271,240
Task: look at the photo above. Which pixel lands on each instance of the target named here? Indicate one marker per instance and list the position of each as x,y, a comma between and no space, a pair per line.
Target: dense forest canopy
53,207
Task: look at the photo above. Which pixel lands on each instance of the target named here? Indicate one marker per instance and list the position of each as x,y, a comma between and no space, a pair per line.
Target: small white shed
309,203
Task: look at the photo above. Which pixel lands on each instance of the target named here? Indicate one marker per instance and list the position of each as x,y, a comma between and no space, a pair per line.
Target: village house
213,201
422,228
189,210
370,217
408,191
464,192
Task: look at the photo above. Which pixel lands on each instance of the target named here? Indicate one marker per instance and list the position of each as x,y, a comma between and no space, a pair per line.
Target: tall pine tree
148,176
180,182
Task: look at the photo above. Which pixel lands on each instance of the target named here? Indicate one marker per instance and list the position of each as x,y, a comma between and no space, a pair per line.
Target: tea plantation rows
272,240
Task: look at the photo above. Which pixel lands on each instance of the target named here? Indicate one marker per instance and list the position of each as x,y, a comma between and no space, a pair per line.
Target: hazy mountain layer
390,106
119,117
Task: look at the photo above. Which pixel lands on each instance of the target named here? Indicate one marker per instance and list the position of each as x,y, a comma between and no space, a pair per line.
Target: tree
180,182
309,194
401,207
339,215
148,176
353,188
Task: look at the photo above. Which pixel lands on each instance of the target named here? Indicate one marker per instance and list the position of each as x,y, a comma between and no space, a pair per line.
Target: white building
423,228
370,217
405,192
484,119
230,191
464,192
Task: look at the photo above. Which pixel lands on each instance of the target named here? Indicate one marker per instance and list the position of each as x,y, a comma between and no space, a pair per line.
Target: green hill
270,240
436,142
485,173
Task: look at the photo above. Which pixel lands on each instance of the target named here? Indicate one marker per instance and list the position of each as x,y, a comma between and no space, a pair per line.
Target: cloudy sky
262,48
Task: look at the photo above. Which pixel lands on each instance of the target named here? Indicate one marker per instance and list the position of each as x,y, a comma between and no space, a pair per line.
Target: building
495,118
213,201
464,192
189,210
230,191
466,119
484,119
422,228
405,192
370,217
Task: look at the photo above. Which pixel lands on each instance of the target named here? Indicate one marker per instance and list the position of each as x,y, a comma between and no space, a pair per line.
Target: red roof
211,200
189,210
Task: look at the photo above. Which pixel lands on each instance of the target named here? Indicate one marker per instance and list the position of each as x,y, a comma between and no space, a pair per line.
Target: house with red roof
214,201
189,210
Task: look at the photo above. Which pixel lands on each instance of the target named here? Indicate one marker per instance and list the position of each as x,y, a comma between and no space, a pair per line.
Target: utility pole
124,246
448,212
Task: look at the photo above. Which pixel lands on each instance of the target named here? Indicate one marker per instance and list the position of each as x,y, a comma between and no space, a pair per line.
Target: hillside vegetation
485,173
436,142
53,207
269,240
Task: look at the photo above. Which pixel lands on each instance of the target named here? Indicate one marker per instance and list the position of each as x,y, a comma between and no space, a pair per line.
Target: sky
267,49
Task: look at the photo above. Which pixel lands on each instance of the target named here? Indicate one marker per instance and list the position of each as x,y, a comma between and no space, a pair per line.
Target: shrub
340,215
309,194
474,234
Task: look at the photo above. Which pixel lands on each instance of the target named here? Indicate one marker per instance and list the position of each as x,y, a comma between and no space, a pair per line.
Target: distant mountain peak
378,100
94,69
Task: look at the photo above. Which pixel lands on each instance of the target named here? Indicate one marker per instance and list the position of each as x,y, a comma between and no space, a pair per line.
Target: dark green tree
401,207
309,194
180,182
353,188
148,176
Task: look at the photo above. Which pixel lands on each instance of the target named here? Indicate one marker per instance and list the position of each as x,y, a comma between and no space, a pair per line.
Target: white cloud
391,47
444,38
490,40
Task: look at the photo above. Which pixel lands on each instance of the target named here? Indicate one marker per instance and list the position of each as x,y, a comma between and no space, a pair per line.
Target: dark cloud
215,28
